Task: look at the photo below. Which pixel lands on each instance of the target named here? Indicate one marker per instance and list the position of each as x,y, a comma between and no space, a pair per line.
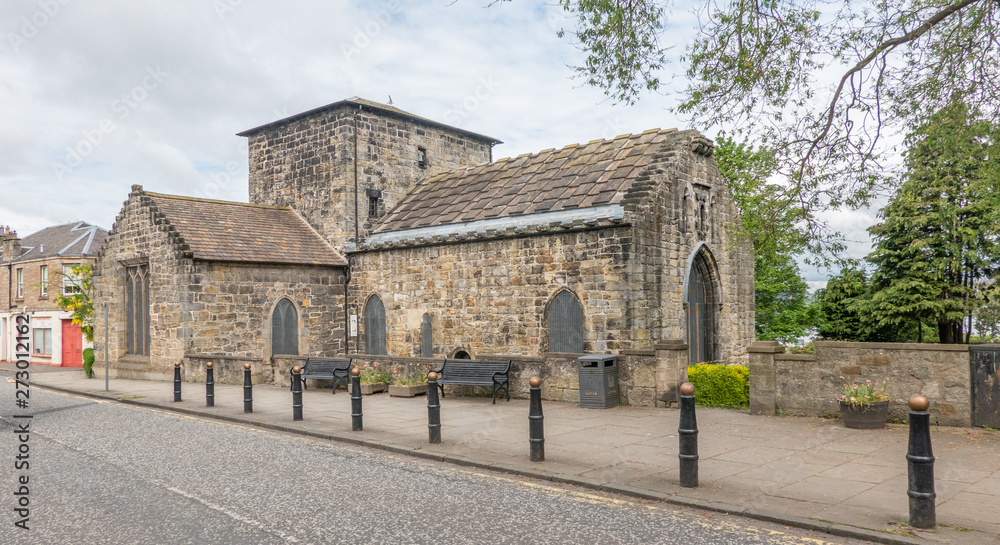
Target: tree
819,83
938,245
843,313
80,302
775,229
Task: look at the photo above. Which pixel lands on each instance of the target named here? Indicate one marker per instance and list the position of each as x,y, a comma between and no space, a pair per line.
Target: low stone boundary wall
810,385
645,377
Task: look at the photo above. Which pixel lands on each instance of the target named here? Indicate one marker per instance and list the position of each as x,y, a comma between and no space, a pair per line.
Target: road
107,473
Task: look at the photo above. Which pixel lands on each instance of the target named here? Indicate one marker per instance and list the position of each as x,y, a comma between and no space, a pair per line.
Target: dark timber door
701,303
375,326
985,385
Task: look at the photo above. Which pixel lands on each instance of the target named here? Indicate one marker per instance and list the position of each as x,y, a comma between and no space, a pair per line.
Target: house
34,271
424,247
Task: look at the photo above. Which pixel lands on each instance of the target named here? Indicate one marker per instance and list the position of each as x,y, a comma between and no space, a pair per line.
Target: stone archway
702,299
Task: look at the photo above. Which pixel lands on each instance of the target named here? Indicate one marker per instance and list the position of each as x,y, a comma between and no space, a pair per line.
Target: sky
98,96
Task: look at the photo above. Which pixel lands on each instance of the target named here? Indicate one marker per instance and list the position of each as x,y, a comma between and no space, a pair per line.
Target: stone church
390,237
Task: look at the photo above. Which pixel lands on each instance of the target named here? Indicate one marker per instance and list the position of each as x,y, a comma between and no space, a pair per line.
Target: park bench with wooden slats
476,373
337,370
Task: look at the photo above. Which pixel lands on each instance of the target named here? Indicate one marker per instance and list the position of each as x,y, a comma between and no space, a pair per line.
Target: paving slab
800,471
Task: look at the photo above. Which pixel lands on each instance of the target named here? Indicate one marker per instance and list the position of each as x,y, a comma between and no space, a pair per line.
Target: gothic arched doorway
702,299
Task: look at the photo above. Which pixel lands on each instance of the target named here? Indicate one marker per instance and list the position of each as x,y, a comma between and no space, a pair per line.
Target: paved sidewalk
806,472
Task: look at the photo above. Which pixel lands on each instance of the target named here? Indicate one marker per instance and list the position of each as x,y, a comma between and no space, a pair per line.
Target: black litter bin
598,381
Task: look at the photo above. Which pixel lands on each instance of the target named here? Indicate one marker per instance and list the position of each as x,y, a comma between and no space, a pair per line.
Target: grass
900,529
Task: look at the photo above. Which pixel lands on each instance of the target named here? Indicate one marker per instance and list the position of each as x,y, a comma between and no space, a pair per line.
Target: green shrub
717,384
88,362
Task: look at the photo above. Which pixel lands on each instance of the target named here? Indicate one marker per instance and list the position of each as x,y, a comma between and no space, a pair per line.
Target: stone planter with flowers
375,378
408,383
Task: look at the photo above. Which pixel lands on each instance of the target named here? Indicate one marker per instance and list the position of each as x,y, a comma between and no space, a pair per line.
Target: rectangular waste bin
598,381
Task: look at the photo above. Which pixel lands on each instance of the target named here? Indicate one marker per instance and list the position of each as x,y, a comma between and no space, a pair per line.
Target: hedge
718,384
88,362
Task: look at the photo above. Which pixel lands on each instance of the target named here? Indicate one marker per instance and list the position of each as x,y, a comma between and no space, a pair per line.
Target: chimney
11,244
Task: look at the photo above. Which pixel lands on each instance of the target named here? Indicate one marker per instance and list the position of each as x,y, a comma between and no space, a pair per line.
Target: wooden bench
337,370
476,373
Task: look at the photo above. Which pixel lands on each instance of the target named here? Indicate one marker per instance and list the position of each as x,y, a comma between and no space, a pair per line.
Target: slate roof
596,174
384,108
77,239
233,231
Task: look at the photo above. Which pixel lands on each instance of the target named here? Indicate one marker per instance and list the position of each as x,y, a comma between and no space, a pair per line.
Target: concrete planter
865,417
408,391
372,388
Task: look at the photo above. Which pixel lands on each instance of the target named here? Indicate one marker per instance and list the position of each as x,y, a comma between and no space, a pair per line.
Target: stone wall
806,385
308,163
490,296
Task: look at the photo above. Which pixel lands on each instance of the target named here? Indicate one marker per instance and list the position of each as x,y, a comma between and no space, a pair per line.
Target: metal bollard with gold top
920,465
433,409
688,437
357,423
209,385
177,381
536,431
296,393
247,389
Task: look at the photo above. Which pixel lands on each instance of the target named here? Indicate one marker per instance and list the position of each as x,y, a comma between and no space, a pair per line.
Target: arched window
285,329
375,326
426,337
702,297
565,323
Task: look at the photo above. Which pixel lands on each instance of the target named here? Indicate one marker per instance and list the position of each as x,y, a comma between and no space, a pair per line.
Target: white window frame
70,280
43,275
39,347
20,283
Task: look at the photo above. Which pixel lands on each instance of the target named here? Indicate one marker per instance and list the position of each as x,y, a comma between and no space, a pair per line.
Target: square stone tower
343,166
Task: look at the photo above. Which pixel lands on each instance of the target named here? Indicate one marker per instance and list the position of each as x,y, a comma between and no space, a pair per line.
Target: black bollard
177,381
209,385
920,462
296,393
433,409
688,434
536,431
357,422
247,389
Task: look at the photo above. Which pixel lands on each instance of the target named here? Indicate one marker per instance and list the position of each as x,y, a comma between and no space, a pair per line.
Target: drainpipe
357,231
347,318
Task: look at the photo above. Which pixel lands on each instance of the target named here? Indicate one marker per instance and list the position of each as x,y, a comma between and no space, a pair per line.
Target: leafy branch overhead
820,83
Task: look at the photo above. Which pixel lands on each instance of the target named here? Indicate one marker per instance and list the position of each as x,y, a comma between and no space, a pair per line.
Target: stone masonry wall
308,164
805,385
490,296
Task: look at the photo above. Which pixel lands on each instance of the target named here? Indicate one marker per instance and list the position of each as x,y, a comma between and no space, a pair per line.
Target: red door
72,345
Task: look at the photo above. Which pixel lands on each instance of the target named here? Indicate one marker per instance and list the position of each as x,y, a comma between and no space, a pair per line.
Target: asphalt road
107,473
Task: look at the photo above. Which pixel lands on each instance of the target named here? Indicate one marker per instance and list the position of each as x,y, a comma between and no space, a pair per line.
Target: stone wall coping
401,359
929,347
133,359
671,344
770,347
220,357
293,357
638,352
794,357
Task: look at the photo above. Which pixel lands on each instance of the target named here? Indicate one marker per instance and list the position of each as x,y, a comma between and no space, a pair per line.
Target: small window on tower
373,206
422,157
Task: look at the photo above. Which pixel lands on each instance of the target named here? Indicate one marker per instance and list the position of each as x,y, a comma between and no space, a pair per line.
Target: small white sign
352,325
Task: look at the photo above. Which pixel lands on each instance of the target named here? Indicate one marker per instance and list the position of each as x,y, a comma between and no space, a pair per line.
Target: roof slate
75,239
598,173
233,231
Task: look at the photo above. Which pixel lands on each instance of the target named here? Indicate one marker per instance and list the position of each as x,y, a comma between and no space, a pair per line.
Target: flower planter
408,391
372,388
871,416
